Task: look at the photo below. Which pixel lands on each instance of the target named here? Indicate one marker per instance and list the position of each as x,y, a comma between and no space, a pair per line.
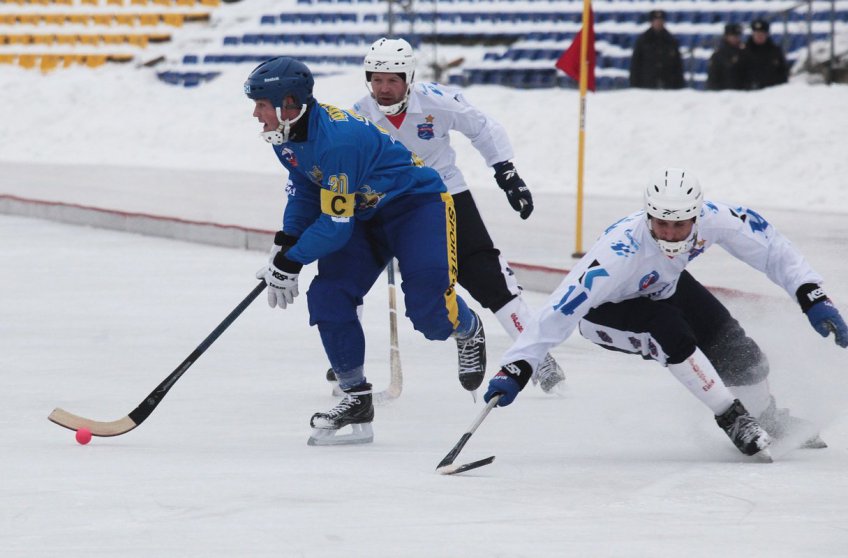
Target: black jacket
763,65
656,62
725,68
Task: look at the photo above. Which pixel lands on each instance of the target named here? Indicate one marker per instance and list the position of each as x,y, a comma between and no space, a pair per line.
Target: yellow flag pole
581,134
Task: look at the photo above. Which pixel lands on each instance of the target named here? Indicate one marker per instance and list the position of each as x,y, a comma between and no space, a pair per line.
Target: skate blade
764,455
557,390
361,434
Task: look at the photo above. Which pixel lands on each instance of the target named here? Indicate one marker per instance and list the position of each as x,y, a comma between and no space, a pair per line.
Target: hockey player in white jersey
631,293
421,116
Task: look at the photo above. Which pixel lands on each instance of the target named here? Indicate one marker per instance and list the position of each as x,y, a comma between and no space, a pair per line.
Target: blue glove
825,318
508,382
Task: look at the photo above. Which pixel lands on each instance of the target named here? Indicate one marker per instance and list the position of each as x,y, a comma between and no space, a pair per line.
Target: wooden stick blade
97,428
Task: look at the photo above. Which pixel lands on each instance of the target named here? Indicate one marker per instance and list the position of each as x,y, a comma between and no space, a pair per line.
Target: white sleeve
487,135
594,280
746,235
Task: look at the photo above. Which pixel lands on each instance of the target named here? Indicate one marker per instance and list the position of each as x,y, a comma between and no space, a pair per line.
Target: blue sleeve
303,206
344,166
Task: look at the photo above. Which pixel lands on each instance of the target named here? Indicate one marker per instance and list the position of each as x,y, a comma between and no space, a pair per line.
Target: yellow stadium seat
125,19
148,19
49,62
102,19
27,61
7,58
42,39
137,40
78,19
19,39
28,19
115,2
211,2
66,39
138,2
94,60
54,19
7,19
69,60
187,3
89,39
175,20
111,39
162,2
90,2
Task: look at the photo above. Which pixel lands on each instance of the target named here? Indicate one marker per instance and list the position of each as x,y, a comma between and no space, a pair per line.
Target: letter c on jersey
335,204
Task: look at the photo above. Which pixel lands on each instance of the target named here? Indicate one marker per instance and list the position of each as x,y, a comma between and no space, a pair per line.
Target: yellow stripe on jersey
337,204
453,269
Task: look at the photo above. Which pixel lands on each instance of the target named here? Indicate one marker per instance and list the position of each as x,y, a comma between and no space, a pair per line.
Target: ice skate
356,410
744,431
471,353
334,382
780,425
549,375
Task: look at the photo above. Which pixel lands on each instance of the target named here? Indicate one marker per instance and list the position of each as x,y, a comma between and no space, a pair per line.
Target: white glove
282,286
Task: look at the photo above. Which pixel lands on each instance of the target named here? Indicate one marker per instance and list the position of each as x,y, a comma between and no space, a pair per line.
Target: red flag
569,62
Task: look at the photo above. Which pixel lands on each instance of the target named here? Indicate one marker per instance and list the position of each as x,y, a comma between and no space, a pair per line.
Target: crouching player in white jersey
631,293
421,116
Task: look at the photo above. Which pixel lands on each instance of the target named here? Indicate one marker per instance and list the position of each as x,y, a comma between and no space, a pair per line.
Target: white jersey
626,263
432,112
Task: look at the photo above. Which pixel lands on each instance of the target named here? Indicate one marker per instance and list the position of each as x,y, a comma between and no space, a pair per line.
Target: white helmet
393,56
673,194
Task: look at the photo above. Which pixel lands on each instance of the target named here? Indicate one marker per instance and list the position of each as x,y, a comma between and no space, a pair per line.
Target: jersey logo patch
425,131
289,156
336,204
648,280
367,198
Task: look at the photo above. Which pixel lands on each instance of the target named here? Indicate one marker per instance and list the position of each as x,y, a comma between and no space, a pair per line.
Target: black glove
516,190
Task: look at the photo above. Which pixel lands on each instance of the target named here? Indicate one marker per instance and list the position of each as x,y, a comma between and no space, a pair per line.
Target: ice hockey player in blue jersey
356,198
631,293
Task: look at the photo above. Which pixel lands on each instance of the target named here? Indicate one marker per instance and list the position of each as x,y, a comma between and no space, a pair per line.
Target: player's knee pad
737,358
331,300
429,305
486,277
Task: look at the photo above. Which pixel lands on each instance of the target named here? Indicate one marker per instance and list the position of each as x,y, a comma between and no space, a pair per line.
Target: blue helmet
278,78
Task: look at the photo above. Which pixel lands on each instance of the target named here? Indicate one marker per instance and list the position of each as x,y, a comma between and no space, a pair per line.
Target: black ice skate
356,410
780,425
471,353
744,431
549,375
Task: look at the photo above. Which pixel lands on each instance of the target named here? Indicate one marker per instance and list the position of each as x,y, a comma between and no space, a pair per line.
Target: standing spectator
725,69
656,61
763,63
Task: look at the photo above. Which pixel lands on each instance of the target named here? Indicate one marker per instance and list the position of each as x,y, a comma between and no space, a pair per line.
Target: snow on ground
626,463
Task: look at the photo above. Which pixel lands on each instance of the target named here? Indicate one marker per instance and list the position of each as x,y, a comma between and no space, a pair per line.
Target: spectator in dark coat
656,61
725,68
763,62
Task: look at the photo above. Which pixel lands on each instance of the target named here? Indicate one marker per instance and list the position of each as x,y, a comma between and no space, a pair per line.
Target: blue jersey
346,170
